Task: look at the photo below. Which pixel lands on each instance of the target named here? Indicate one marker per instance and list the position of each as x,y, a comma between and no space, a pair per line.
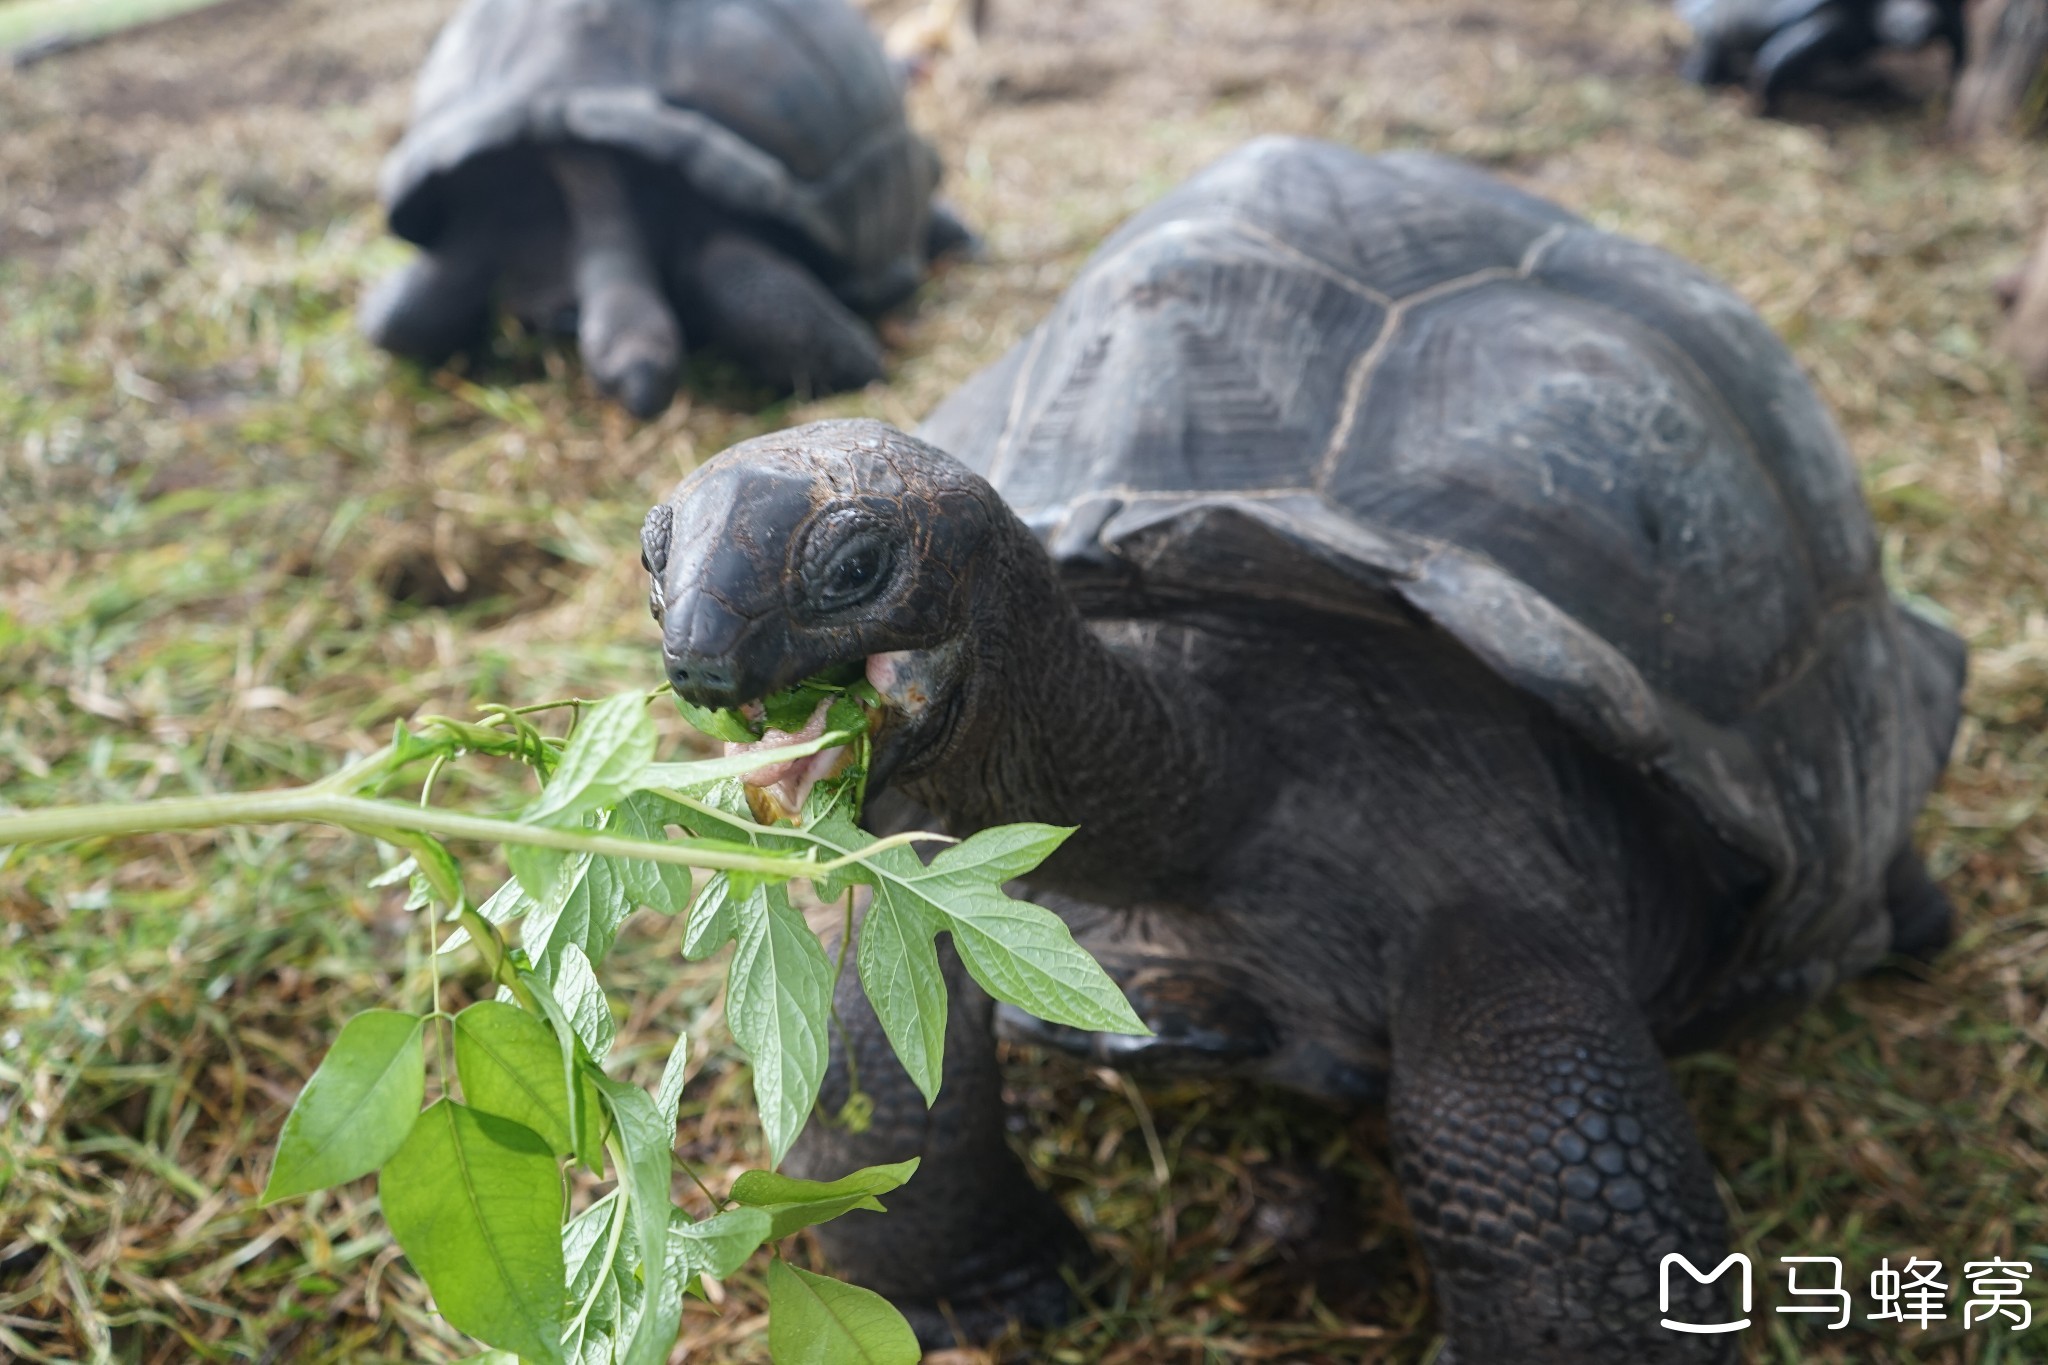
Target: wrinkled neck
1061,727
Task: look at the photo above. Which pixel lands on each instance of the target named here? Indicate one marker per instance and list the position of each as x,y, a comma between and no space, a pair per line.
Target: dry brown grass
234,544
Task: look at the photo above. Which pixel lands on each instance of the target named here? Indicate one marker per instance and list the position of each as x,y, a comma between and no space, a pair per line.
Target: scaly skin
1548,1160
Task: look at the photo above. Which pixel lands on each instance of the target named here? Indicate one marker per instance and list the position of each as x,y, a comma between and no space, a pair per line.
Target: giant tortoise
1459,638
1776,46
739,171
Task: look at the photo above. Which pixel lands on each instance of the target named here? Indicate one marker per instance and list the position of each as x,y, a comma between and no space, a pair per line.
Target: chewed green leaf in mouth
837,701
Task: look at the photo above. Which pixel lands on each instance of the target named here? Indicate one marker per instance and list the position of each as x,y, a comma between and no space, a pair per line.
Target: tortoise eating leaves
839,703
1459,639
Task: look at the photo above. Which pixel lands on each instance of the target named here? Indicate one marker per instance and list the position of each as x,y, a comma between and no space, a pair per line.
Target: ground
236,544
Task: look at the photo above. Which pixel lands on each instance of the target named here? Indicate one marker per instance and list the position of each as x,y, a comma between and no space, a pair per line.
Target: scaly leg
1545,1155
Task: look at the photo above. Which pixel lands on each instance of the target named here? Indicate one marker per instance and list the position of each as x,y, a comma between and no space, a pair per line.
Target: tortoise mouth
778,789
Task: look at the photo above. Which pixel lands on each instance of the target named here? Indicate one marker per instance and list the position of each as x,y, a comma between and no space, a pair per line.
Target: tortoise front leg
970,1241
1546,1157
625,329
440,303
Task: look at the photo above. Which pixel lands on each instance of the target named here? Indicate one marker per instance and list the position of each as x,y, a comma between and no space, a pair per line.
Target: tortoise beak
702,649
717,562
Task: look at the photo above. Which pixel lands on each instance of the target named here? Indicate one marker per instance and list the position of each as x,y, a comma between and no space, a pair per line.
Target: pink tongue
788,783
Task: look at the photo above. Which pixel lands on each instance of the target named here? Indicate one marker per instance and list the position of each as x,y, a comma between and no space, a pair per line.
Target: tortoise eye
854,572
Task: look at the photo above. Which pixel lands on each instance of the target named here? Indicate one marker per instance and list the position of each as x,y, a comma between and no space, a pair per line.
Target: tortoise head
834,545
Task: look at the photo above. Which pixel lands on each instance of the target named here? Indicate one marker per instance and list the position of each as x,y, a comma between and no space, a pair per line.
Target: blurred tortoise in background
737,172
1775,46
1459,638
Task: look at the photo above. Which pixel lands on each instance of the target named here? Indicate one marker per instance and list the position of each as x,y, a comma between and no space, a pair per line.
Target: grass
39,25
235,545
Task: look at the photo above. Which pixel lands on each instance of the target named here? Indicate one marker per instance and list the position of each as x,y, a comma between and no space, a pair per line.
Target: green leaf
813,1320
539,870
357,1108
851,709
597,1247
1002,854
668,1096
712,920
795,1204
587,1123
717,1246
1020,953
582,907
511,1066
436,868
648,1145
507,903
659,886
1024,954
590,1013
785,1220
585,1239
613,741
594,1344
718,722
778,1005
398,872
838,825
791,710
759,1188
899,971
700,775
475,1202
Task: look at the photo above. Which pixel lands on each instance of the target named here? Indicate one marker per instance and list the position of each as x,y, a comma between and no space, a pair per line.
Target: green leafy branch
472,1183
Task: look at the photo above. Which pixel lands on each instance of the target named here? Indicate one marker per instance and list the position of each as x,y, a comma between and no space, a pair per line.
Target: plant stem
319,804
677,1163
363,815
484,935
